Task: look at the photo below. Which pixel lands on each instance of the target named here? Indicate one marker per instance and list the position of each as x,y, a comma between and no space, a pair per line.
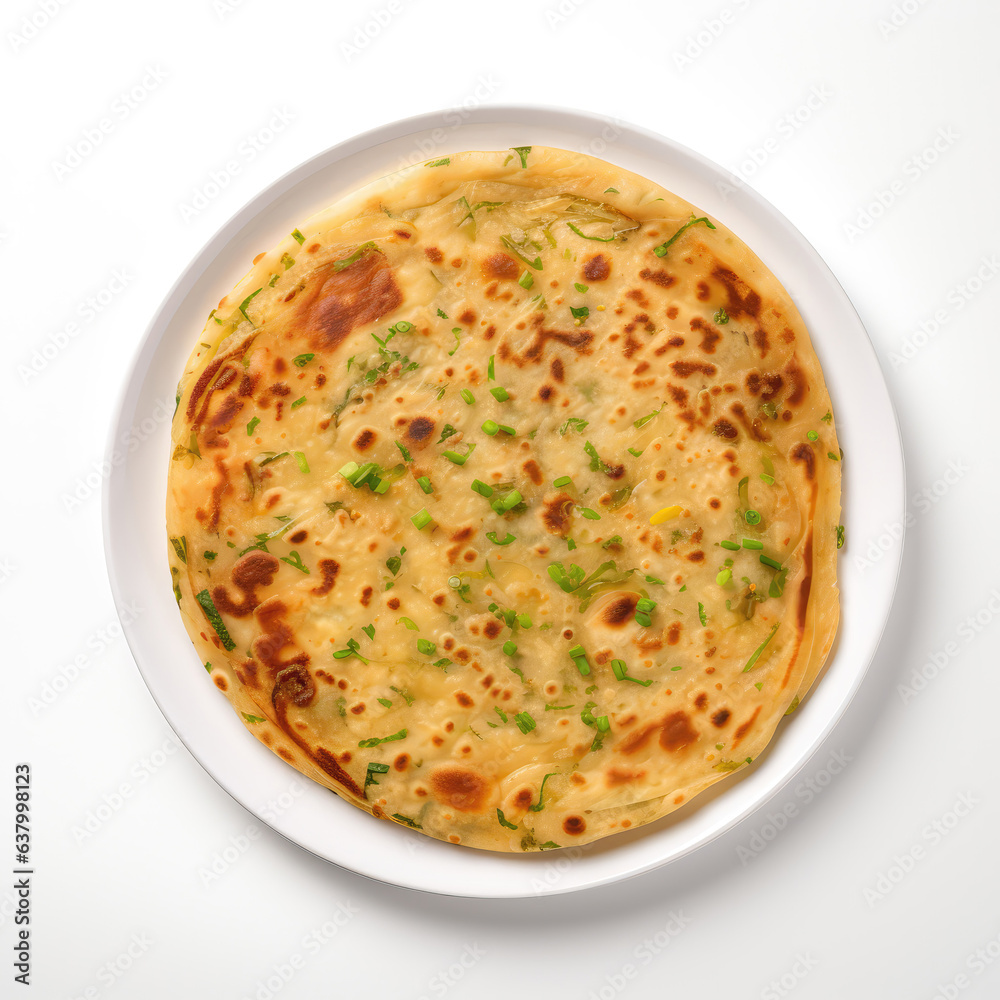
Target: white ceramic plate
309,814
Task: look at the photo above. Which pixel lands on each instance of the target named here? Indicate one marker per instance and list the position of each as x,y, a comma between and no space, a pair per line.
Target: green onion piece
512,499
375,740
642,421
409,623
618,667
508,430
726,544
349,470
768,561
580,288
301,459
294,559
404,451
724,577
491,368
589,514
426,647
812,435
369,630
298,237
510,648
835,458
562,481
661,250
215,619
767,479
421,519
500,394
298,402
721,317
492,536
522,152
526,280
840,536
468,397
492,428
339,265
599,239
752,543
457,333
439,163
752,517
637,454
453,456
425,484
254,421
602,723
483,489
503,820
525,722
702,617
576,423
760,649
245,303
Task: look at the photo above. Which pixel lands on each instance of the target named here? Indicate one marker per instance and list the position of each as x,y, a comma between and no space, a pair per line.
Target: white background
149,880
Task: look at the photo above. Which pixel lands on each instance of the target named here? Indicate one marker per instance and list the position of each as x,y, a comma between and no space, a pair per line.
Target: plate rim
504,115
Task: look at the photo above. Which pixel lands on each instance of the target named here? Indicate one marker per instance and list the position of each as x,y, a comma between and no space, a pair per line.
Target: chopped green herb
254,421
562,481
209,555
525,722
301,360
835,458
340,265
580,312
375,740
404,451
812,435
425,484
589,514
752,543
457,333
661,250
369,630
253,718
794,705
723,577
394,563
426,647
596,464
637,454
611,191
840,536
439,163
642,421
760,649
453,456
614,540
580,288
404,694
500,712
298,237
767,479
245,303
271,457
752,516
374,769
701,614
301,460
468,397
503,820
180,547
490,427
526,280
483,489
293,559
442,314
514,249
522,151
500,394
421,519
721,317
768,561
446,433
298,402
215,619
827,417
599,239
492,536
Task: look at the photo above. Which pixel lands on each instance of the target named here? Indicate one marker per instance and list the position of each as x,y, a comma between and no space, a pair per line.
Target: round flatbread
504,500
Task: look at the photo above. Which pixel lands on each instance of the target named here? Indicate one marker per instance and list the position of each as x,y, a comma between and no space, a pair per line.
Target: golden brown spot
715,503
744,727
724,429
742,299
720,718
676,732
365,440
533,471
460,788
619,776
329,568
674,633
433,255
437,740
366,596
500,266
556,513
619,611
660,278
253,570
523,798
358,709
468,317
220,682
804,453
545,393
574,825
393,603
420,429
596,268
335,302
492,629
696,556
683,369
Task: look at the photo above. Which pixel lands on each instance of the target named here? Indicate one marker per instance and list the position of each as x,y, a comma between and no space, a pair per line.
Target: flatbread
504,500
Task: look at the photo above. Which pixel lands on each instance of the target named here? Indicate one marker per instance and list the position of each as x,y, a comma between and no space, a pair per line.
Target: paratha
504,500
